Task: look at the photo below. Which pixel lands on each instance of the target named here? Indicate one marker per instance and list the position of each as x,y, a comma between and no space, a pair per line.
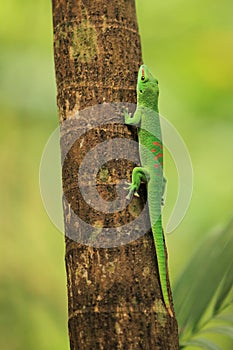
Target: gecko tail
169,310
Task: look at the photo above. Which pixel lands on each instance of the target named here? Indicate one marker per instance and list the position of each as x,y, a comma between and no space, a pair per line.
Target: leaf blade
225,289
201,278
202,343
225,330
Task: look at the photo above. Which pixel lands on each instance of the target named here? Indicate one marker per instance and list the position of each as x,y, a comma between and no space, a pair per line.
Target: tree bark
114,295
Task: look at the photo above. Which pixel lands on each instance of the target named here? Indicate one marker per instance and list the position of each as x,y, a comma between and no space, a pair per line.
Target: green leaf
225,288
202,343
226,330
200,280
225,317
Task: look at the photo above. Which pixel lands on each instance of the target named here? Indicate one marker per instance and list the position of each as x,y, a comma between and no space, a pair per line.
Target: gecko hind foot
132,192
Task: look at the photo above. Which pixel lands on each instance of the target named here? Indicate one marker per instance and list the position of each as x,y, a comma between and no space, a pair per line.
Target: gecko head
147,87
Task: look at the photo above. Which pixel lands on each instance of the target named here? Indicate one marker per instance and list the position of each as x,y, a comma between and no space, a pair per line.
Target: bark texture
114,296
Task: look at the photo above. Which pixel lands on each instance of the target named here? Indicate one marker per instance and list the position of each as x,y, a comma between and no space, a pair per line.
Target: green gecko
151,155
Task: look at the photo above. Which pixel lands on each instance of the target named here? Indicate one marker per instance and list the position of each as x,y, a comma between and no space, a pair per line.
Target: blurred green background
189,46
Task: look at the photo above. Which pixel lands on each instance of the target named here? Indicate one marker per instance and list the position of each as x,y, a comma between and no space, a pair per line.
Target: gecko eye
142,78
140,91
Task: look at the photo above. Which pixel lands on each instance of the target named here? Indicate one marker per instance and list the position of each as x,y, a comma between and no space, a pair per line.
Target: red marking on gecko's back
158,156
157,143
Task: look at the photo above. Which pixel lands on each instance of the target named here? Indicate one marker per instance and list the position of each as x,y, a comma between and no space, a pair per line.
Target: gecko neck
148,103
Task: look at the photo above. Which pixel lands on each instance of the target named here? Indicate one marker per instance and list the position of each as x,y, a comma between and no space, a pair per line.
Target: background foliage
188,45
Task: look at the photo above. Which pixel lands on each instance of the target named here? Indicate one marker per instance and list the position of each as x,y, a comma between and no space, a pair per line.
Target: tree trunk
114,295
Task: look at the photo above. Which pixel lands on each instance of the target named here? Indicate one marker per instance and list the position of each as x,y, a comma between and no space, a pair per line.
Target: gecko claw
126,111
170,311
128,186
131,194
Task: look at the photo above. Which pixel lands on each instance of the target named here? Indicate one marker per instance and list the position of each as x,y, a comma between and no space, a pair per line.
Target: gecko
146,117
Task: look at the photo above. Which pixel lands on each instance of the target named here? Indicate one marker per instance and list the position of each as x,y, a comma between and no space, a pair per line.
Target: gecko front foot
127,116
